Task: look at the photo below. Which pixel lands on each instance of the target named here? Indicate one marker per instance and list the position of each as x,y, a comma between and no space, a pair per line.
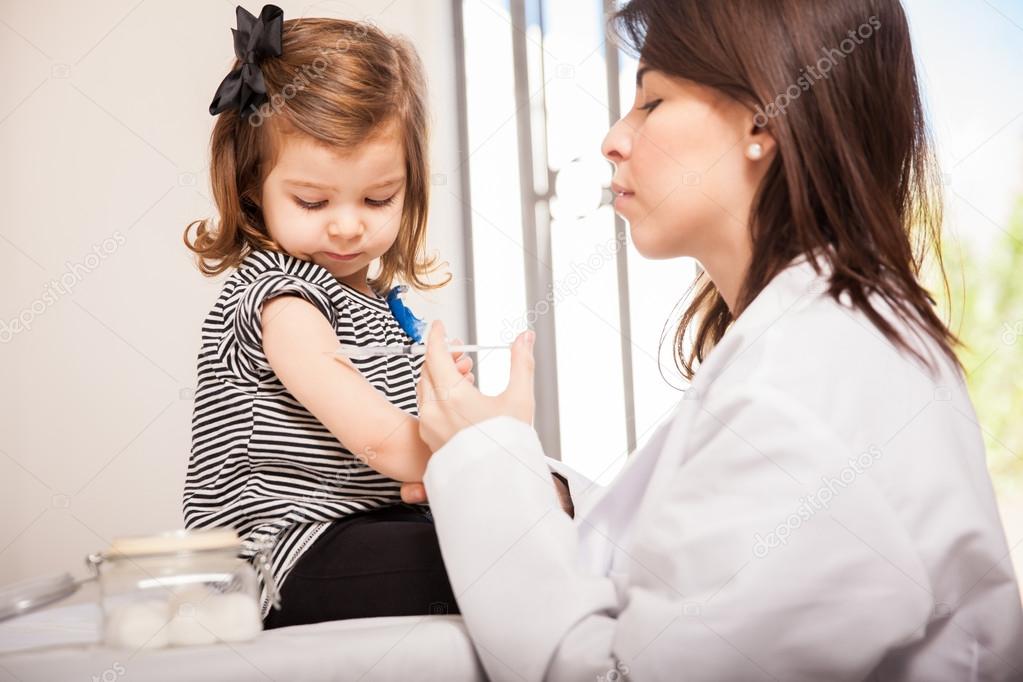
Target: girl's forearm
402,455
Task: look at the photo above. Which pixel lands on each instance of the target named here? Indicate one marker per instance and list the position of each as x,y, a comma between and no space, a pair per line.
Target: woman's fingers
430,417
464,365
520,380
519,393
443,372
458,355
426,390
448,400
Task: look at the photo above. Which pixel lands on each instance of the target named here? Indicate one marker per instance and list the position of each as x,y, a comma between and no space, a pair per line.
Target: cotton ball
232,617
138,625
185,627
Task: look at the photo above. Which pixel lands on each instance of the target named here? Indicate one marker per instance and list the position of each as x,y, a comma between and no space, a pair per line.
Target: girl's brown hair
854,174
340,83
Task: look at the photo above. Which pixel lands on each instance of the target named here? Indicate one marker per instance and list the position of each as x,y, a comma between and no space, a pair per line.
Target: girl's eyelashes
310,205
314,205
380,203
651,105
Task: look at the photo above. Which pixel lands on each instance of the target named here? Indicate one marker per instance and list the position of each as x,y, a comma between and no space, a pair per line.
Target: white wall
105,130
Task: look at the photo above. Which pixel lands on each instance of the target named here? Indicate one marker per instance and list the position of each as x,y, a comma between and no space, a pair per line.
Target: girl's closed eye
309,205
380,203
315,205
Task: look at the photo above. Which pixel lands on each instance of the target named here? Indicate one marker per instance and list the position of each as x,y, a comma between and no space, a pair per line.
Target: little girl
318,171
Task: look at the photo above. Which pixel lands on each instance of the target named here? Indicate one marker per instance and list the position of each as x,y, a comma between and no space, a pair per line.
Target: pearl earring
754,151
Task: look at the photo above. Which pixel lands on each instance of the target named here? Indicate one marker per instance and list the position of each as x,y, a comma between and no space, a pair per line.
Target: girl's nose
617,145
345,227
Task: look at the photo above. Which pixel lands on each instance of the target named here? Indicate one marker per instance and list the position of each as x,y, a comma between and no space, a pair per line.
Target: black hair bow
254,40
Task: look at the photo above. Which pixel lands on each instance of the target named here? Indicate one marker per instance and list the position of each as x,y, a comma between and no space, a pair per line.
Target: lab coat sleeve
509,549
711,586
578,485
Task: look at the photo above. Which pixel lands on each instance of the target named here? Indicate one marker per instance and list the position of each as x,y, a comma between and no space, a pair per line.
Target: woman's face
682,177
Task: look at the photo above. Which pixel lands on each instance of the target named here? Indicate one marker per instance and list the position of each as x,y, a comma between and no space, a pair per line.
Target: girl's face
682,176
338,211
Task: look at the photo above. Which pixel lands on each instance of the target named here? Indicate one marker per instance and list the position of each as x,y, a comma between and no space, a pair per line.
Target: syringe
350,351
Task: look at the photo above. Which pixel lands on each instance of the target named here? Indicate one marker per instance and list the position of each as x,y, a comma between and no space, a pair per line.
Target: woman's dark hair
836,86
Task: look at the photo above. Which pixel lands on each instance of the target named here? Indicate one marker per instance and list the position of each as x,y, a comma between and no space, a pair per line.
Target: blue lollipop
412,325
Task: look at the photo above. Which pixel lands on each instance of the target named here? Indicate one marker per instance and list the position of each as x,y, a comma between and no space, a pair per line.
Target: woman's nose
617,143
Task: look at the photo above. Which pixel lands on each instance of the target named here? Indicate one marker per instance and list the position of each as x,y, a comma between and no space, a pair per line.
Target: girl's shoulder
263,274
260,267
265,271
262,261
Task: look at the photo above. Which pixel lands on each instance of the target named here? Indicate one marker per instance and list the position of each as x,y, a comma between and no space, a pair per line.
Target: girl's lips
343,256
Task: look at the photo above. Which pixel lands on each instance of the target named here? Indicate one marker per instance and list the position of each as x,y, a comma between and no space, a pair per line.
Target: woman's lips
343,256
622,195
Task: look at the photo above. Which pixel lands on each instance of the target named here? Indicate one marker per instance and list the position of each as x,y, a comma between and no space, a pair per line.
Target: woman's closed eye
650,106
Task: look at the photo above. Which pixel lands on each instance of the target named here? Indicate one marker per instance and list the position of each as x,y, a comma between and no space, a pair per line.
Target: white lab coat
816,508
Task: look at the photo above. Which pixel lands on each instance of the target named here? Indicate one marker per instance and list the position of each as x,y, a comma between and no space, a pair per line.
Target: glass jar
173,589
178,588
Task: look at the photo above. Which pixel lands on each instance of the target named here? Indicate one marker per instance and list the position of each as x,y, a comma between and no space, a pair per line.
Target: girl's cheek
392,219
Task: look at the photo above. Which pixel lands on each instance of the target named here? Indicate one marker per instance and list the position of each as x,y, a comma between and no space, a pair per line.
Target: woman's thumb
520,382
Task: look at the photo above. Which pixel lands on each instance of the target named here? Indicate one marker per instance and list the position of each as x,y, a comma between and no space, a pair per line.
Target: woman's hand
463,362
415,493
449,403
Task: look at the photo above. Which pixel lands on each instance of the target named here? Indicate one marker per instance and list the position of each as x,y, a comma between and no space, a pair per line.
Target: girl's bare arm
297,340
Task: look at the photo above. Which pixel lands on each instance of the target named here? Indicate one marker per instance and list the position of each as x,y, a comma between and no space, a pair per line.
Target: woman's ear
759,142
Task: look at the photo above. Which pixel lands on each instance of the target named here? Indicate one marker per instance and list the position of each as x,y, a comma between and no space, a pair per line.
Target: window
542,86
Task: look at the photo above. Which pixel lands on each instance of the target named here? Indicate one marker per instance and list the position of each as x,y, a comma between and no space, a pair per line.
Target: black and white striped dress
260,462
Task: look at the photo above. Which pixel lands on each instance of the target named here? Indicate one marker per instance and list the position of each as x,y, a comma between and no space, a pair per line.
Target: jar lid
31,593
175,541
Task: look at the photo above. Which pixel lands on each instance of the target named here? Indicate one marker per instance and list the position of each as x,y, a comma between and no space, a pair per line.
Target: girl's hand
448,403
413,493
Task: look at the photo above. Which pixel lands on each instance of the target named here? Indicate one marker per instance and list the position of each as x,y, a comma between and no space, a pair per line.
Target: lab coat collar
791,290
651,468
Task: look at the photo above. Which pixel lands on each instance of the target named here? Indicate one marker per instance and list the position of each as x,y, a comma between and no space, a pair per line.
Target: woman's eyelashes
650,106
315,205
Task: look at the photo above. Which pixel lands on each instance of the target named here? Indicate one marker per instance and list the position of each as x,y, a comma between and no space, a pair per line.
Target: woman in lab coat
817,507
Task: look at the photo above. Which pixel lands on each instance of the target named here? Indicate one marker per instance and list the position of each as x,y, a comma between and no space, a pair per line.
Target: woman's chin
646,245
